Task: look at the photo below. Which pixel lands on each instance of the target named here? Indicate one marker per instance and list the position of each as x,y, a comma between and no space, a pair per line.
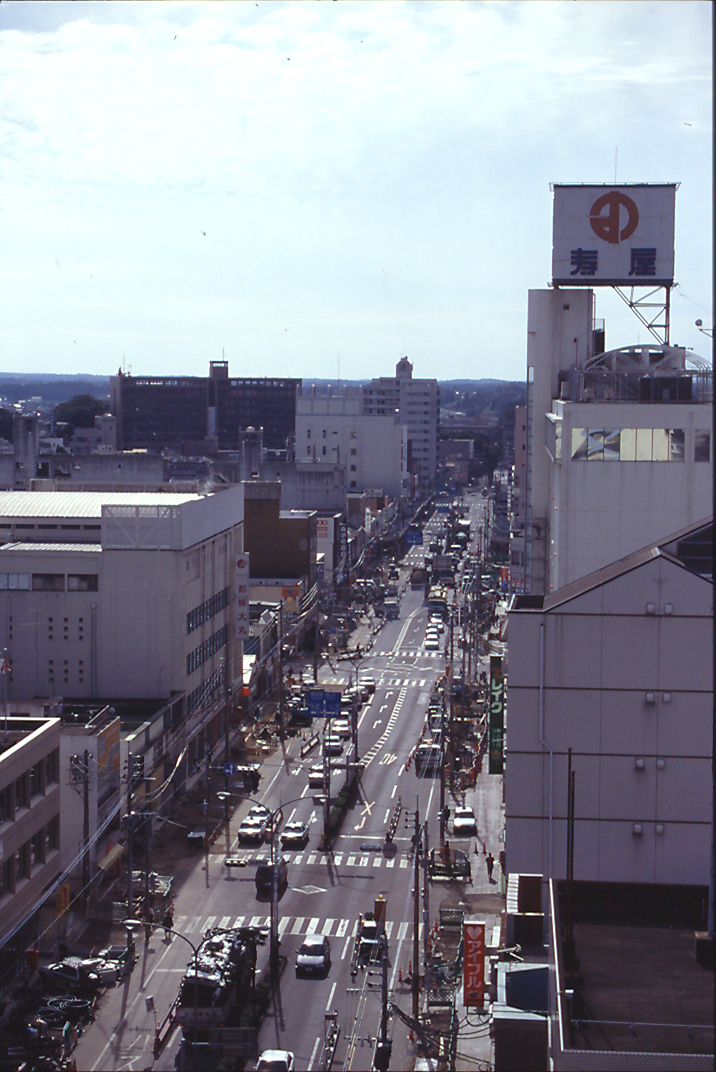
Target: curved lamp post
132,925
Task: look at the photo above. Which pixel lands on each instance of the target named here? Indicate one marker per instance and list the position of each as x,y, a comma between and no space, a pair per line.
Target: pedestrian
503,861
490,863
168,920
148,921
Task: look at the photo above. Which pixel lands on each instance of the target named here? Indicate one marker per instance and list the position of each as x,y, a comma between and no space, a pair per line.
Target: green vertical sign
497,716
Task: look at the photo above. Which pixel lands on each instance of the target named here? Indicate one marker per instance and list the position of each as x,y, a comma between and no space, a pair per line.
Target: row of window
207,610
636,444
33,782
199,655
197,696
51,528
49,582
19,865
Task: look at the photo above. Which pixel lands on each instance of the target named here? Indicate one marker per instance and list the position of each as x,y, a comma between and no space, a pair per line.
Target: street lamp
132,925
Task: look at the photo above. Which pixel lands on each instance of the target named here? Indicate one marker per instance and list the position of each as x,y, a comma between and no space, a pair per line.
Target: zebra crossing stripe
297,924
225,921
403,930
312,925
342,928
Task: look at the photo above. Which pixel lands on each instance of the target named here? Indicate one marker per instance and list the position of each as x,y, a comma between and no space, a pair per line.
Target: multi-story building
417,405
618,443
611,676
119,594
372,448
169,411
29,830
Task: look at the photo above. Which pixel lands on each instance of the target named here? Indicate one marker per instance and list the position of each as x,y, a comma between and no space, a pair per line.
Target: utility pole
130,860
86,834
416,915
280,670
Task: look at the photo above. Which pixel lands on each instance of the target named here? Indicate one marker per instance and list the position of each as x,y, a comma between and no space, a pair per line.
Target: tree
79,412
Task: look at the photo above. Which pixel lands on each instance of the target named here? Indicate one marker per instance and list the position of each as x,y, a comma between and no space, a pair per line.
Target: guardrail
309,745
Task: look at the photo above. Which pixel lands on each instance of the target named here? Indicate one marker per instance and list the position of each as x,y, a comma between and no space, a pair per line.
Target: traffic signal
136,768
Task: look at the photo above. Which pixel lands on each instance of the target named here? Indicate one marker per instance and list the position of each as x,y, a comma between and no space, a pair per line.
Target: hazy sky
318,188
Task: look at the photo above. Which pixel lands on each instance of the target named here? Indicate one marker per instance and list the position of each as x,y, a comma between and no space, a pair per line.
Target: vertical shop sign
497,715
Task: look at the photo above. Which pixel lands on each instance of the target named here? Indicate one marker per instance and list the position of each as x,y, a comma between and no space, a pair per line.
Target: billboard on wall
242,598
613,235
497,716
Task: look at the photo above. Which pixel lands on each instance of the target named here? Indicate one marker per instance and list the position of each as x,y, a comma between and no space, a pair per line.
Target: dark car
265,875
314,955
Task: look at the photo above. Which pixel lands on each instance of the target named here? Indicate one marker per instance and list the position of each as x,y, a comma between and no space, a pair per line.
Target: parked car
341,727
275,1061
294,834
432,642
464,823
314,955
70,974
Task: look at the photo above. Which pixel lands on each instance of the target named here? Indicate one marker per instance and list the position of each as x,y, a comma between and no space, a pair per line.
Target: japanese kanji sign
497,716
613,235
242,597
474,963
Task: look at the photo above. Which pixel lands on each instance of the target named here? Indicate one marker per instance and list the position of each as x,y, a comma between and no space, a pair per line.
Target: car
432,643
315,777
373,943
265,874
70,974
253,828
314,955
341,727
294,834
275,1061
436,622
464,823
332,745
432,633
369,684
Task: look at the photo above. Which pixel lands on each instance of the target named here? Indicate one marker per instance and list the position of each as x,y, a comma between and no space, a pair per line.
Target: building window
323,450
354,450
48,582
22,798
308,433
353,468
702,445
82,582
52,835
52,767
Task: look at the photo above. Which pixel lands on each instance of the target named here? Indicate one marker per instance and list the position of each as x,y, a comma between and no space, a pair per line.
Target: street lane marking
313,1054
328,926
390,863
342,928
297,924
312,925
226,920
403,930
345,947
350,862
330,998
395,790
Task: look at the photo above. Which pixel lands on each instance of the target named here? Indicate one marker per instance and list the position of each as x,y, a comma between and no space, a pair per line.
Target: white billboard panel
613,235
242,597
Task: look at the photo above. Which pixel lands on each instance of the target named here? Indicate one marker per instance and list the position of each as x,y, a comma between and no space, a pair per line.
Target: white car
464,823
436,622
275,1061
341,727
332,745
253,828
432,643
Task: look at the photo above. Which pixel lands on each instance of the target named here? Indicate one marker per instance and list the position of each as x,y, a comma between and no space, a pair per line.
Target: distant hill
51,388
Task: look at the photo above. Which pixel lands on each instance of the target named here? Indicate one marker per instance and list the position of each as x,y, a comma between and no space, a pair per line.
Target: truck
391,607
371,941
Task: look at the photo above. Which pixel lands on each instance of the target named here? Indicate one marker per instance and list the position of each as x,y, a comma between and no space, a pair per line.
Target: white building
119,594
335,429
616,667
618,444
417,405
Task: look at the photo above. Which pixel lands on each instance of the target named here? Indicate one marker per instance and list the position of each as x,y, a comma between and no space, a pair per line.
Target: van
264,874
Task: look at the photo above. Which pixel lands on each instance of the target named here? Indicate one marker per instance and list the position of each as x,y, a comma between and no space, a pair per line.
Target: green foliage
80,412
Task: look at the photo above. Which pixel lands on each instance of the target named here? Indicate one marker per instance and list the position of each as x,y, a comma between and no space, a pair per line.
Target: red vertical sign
242,598
474,957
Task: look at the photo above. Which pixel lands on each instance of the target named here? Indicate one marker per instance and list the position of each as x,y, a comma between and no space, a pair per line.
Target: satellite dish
699,323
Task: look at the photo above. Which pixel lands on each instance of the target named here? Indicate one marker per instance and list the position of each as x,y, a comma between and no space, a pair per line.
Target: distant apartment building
417,406
334,429
119,594
156,412
617,449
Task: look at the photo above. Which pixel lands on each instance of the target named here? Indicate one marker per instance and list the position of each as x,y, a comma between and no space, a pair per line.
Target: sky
317,189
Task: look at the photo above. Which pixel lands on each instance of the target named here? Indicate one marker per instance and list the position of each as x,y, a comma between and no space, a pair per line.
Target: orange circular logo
608,224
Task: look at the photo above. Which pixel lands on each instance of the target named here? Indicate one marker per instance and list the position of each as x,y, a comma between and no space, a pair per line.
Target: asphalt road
326,891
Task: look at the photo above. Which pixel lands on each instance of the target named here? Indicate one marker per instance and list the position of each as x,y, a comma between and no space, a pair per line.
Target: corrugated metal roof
28,545
83,503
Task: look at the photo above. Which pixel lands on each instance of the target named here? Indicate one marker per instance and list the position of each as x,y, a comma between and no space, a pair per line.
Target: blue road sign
324,704
414,536
229,770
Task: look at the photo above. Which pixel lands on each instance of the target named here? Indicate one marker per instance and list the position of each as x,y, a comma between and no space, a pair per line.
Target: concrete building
417,405
29,830
615,670
372,448
119,594
168,411
618,443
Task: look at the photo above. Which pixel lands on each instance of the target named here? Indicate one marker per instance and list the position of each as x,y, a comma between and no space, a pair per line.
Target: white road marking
330,998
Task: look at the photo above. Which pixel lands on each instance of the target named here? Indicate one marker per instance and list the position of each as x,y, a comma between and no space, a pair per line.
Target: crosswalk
390,679
339,859
290,926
